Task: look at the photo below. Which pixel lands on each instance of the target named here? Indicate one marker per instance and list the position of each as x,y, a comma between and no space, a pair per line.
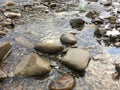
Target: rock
24,42
53,5
68,39
12,14
117,25
8,23
112,19
76,58
100,32
90,14
117,44
77,22
67,82
9,3
4,70
108,3
5,50
32,65
115,76
98,21
49,47
2,33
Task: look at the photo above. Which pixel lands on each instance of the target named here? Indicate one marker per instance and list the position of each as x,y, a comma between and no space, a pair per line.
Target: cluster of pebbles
36,64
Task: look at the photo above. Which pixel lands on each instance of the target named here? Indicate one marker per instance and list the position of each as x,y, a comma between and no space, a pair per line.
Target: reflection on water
114,50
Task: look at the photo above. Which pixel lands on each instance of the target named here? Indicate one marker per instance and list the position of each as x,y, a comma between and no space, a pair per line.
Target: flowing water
38,27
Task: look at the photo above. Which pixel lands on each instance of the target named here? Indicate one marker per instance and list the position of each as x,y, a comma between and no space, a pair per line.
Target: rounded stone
68,39
67,82
49,47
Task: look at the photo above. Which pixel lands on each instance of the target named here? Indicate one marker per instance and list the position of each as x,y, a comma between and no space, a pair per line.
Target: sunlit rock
76,58
32,65
49,47
68,39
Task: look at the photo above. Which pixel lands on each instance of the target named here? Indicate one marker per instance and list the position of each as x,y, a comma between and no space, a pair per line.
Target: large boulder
76,58
68,39
32,65
49,47
67,82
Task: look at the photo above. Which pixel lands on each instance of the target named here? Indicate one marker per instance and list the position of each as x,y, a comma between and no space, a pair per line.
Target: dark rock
32,65
117,25
98,21
5,50
77,23
49,47
68,39
115,76
112,19
90,14
107,3
67,82
76,58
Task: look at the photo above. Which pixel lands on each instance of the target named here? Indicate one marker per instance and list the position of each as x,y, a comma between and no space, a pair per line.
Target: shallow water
39,27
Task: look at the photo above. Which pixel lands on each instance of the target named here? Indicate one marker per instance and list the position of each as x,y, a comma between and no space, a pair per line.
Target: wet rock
53,4
90,14
117,25
112,19
107,3
117,44
100,32
98,21
67,82
76,58
24,42
49,47
12,14
115,76
9,3
68,39
32,65
4,70
5,50
77,23
8,23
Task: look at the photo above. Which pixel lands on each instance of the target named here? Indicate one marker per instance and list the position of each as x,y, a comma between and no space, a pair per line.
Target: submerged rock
5,49
24,42
49,47
67,82
12,14
68,39
32,65
77,22
76,58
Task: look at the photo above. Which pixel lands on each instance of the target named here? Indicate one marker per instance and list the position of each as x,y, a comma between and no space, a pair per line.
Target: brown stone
49,47
67,82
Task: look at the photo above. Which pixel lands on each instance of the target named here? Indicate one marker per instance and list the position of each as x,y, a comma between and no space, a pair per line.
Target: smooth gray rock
68,39
32,65
76,58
